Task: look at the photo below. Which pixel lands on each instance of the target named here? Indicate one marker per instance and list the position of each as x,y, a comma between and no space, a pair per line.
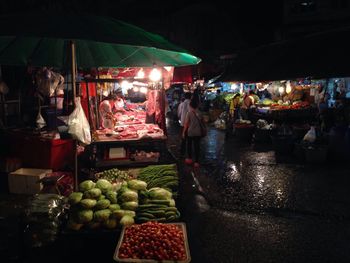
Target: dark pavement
246,204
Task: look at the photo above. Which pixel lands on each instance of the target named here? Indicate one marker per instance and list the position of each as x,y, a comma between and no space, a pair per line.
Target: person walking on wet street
192,129
183,109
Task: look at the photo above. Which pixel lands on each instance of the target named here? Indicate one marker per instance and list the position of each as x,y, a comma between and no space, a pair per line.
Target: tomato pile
153,240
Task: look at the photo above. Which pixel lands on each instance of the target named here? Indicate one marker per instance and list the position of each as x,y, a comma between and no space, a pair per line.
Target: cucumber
146,215
170,218
157,213
161,202
174,209
170,213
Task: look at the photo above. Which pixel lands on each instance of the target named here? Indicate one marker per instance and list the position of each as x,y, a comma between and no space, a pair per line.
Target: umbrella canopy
43,40
319,55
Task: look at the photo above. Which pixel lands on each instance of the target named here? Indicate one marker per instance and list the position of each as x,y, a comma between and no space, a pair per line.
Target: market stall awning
43,40
318,55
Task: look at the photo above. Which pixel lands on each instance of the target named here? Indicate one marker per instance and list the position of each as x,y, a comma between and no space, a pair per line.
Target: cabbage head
86,185
112,196
102,204
137,185
75,197
104,185
127,220
87,203
102,215
85,216
160,194
93,193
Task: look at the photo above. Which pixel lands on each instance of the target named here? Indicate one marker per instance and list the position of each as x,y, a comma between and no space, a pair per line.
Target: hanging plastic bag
40,122
310,136
78,124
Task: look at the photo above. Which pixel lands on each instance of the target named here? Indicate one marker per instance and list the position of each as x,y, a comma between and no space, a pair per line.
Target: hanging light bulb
143,90
155,75
135,89
288,87
140,74
281,90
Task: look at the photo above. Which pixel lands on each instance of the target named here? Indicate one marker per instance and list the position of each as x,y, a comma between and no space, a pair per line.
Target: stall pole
73,68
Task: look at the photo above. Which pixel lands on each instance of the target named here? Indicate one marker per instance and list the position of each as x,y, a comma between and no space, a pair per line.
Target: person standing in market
182,117
233,112
247,103
193,130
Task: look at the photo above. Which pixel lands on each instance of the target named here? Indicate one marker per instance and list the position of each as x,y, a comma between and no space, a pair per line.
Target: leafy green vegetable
137,185
86,185
88,203
75,197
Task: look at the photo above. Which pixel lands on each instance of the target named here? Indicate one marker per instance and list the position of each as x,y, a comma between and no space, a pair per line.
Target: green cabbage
101,197
86,185
112,196
117,214
160,194
93,193
129,213
102,204
88,203
137,185
113,207
128,195
130,205
75,197
102,215
104,185
127,220
85,216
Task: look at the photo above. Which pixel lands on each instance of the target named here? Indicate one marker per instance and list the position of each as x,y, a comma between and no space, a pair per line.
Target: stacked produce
153,241
164,176
116,198
113,175
96,205
157,204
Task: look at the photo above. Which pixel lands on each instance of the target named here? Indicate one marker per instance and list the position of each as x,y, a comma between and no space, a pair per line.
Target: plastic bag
40,122
78,125
310,136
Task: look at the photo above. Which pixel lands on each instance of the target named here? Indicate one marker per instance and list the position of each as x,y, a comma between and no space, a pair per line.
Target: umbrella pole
73,67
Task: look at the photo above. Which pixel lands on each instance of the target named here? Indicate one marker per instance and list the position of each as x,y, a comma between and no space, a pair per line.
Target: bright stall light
155,75
135,89
140,74
288,87
234,86
281,90
143,90
126,85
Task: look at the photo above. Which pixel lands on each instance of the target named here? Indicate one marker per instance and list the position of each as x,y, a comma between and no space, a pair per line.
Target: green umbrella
44,40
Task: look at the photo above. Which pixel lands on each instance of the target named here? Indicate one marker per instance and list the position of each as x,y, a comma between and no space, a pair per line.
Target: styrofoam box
25,180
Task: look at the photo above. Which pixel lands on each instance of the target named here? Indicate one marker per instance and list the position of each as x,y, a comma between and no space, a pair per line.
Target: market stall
108,43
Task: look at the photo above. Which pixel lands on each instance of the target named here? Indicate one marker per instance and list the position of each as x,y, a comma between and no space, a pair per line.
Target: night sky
206,28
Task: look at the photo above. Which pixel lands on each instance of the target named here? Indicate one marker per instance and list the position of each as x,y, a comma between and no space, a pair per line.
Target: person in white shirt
185,107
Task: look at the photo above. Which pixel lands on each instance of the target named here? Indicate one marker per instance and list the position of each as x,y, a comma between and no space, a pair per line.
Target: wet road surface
245,204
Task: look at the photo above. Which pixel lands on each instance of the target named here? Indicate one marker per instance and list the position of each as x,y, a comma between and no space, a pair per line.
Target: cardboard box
25,180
